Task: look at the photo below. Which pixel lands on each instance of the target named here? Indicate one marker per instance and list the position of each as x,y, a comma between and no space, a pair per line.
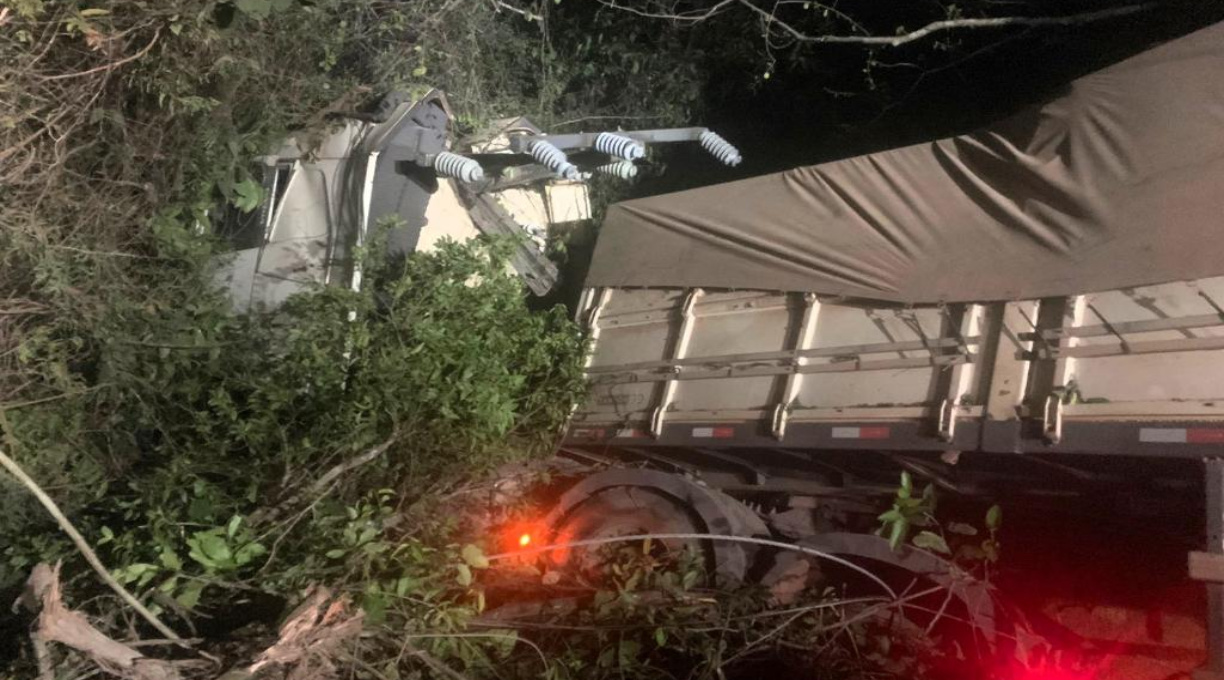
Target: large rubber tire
624,511
630,502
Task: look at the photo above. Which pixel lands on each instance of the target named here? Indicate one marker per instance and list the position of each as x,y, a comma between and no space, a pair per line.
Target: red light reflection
1059,666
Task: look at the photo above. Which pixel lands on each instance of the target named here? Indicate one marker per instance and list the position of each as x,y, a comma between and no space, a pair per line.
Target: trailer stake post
1202,566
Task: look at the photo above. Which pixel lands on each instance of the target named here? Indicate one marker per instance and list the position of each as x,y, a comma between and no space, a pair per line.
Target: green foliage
220,549
951,539
215,422
908,512
212,415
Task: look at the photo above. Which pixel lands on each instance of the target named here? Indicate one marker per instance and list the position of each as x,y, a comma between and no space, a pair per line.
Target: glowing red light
1058,669
1055,674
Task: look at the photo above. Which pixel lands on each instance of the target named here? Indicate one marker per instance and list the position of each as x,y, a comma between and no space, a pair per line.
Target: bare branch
498,6
311,635
324,483
586,119
693,16
306,647
42,655
107,67
952,24
772,22
829,9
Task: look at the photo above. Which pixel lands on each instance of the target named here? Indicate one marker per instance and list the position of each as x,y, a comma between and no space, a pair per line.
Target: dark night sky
795,119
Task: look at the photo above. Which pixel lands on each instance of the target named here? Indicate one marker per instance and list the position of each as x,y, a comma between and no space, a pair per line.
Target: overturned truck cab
318,201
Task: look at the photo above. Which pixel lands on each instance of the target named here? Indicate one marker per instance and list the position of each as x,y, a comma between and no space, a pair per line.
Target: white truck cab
320,201
319,205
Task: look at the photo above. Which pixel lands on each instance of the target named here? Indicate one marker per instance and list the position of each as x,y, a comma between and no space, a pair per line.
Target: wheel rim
624,511
709,511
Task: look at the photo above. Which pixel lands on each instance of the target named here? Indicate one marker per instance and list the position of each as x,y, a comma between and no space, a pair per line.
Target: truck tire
630,502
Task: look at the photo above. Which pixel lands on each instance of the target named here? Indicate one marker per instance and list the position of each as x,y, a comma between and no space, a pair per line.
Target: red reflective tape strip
725,432
1177,435
874,433
877,432
1205,436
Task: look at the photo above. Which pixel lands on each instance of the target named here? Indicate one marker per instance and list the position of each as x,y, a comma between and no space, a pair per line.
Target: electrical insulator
720,148
620,147
459,167
554,159
622,170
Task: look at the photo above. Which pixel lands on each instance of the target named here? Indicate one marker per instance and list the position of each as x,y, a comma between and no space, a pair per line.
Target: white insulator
459,167
537,234
621,147
623,170
720,148
554,159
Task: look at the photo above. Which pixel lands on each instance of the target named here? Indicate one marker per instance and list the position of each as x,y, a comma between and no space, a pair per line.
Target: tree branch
693,17
323,484
951,24
42,655
774,23
308,639
90,556
107,67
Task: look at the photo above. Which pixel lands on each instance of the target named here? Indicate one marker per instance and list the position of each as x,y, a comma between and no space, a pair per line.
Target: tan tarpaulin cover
1118,183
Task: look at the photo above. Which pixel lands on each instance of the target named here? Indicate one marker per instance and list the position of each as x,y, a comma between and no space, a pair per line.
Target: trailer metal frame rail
1003,376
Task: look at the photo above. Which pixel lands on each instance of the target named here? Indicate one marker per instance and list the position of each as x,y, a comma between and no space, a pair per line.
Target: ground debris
310,638
306,647
57,623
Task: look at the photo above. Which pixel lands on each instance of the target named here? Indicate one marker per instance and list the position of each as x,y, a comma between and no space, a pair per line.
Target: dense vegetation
187,443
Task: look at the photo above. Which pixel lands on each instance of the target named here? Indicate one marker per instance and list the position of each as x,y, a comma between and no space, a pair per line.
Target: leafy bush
206,417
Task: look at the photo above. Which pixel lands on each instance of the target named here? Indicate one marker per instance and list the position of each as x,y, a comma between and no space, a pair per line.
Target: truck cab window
243,230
